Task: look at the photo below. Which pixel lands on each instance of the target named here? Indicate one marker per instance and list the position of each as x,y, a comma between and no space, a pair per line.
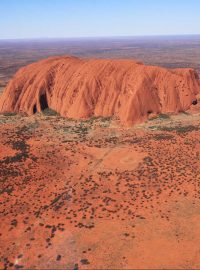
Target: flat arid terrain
175,52
93,193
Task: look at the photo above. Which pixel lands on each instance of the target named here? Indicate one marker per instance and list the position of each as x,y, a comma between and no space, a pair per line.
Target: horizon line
97,37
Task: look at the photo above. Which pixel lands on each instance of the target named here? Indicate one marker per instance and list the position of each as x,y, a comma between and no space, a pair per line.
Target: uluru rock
80,88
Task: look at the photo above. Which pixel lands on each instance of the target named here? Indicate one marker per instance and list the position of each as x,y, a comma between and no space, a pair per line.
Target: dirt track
86,195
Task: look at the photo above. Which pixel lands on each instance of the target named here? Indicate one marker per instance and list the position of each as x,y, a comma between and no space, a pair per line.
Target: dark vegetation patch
161,116
84,261
181,129
8,190
133,140
99,120
58,257
160,137
75,266
78,131
10,114
9,165
164,116
49,112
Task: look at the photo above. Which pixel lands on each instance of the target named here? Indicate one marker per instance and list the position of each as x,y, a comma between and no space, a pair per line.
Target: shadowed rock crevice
43,102
34,109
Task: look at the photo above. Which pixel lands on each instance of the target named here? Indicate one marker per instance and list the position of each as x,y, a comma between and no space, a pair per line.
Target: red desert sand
78,88
93,194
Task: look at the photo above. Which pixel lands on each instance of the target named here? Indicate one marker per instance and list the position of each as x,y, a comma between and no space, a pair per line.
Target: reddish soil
93,195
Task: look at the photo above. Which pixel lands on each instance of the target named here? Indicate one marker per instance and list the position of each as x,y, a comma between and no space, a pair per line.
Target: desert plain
92,193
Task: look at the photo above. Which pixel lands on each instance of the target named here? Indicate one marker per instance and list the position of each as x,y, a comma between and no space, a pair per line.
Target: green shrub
181,129
164,116
10,114
50,112
160,137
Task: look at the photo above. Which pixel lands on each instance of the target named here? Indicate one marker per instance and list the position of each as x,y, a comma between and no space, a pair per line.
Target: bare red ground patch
88,195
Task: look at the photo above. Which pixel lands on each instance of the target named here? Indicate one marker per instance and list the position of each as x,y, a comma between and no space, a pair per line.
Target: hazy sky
80,18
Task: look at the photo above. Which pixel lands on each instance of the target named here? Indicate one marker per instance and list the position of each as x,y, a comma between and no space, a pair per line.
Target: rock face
79,88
